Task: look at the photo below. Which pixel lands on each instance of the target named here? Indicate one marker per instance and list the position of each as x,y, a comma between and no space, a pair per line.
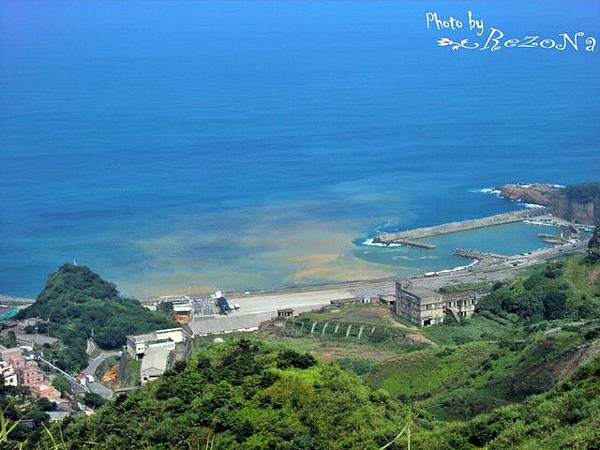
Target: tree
10,340
593,252
45,405
61,384
93,400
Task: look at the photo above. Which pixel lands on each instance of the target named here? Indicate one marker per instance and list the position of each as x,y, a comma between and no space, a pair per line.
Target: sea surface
176,146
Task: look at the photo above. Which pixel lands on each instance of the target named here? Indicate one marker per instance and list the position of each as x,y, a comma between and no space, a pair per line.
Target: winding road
95,387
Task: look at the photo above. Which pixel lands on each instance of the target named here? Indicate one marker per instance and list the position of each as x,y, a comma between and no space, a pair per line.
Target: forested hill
76,302
245,394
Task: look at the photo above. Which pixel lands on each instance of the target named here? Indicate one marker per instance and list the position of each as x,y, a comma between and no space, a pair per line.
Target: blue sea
178,145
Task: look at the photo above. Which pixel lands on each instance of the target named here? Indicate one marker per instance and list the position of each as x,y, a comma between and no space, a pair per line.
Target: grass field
424,373
478,328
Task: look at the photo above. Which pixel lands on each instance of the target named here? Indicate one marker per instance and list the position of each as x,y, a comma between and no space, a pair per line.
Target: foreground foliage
246,395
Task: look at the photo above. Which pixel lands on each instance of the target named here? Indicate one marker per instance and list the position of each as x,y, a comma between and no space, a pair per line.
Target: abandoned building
425,307
285,312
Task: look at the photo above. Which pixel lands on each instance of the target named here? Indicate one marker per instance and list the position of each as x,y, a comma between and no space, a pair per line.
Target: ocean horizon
248,145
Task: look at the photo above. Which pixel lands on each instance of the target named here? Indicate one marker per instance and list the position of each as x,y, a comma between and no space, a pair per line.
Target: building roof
225,324
155,361
426,295
151,336
462,294
37,339
142,337
56,416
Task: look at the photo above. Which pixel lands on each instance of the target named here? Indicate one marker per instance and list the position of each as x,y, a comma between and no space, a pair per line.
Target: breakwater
482,258
463,225
406,242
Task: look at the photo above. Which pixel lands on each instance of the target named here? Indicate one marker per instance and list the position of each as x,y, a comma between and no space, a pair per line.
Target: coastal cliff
578,203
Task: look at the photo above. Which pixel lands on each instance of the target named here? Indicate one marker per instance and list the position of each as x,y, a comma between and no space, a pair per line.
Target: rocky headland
579,203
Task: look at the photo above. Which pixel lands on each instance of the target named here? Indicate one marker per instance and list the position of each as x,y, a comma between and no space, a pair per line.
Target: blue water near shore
194,145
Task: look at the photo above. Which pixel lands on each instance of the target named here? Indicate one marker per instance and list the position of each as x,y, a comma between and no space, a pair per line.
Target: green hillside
76,302
245,394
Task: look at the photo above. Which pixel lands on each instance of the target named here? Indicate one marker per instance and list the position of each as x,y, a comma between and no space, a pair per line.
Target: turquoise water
506,239
237,145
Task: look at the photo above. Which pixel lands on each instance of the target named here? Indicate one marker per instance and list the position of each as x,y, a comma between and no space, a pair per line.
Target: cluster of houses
17,370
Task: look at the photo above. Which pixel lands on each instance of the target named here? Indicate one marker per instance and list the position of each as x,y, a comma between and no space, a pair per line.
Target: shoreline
532,258
536,217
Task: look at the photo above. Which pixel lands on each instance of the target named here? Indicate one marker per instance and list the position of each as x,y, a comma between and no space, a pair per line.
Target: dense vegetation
245,394
461,381
77,303
584,192
593,252
565,289
18,407
566,417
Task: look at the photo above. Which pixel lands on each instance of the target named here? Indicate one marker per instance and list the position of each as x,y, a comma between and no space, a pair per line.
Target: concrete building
45,390
138,345
184,312
155,362
425,307
58,416
153,350
285,312
29,374
8,373
462,304
387,300
12,356
419,305
203,326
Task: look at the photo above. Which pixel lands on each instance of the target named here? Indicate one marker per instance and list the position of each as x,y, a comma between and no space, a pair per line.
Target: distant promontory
578,203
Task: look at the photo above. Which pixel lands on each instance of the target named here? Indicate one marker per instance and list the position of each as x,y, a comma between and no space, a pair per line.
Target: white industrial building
138,345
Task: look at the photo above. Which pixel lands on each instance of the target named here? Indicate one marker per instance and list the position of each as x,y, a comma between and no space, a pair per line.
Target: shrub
291,358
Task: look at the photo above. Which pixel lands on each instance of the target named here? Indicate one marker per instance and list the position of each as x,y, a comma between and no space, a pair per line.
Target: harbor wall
463,225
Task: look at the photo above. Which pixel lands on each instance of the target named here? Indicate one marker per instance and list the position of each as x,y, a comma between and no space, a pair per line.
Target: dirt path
415,332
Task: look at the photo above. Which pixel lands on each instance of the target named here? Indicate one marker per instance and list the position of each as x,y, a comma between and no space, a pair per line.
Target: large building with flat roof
419,305
425,307
138,345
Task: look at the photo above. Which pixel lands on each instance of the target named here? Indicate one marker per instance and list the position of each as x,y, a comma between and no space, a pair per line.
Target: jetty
406,242
553,239
463,225
483,258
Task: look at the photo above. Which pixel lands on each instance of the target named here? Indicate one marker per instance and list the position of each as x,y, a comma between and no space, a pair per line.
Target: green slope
244,394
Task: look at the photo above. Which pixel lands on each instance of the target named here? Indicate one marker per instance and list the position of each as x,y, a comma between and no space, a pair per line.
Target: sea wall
463,225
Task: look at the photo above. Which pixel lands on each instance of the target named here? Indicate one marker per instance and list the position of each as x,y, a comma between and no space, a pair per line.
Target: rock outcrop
539,194
578,203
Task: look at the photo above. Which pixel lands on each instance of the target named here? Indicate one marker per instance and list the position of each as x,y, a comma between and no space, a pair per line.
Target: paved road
95,387
76,387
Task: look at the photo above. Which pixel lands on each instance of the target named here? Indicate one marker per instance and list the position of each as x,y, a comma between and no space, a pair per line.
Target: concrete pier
463,225
406,242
